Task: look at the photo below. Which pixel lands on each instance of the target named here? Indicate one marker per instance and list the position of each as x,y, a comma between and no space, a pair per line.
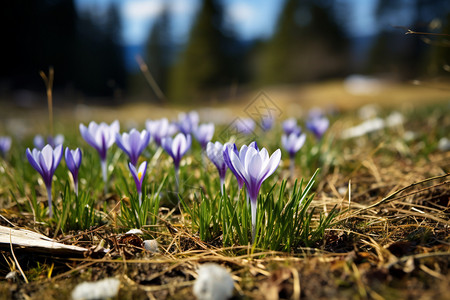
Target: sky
250,18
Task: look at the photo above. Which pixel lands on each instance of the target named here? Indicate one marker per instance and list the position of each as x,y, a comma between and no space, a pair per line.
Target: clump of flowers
101,137
46,162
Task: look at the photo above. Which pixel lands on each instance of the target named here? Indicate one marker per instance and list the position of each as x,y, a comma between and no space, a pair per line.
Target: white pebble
444,144
134,231
214,282
151,245
13,275
103,289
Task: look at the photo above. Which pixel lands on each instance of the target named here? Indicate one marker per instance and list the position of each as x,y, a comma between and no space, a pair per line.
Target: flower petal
57,155
238,167
272,165
254,166
68,156
33,161
47,158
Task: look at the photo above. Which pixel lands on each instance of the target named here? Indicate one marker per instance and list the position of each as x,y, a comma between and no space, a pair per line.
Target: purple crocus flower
133,143
290,126
245,125
315,113
39,141
204,133
177,148
138,176
215,152
73,162
226,156
5,145
292,144
317,122
318,125
101,137
267,123
46,162
160,129
255,167
187,122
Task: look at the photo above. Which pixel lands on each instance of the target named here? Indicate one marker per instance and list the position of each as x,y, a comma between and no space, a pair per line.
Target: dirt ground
391,239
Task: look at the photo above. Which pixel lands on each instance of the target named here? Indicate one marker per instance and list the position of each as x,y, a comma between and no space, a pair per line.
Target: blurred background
215,50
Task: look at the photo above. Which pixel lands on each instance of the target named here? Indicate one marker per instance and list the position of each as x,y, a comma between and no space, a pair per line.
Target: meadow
359,208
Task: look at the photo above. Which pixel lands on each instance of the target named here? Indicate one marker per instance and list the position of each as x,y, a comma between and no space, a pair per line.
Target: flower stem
105,175
253,208
203,158
292,166
49,196
75,184
140,198
222,182
177,180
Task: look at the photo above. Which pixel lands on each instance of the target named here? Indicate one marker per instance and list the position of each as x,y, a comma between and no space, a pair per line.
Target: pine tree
100,66
35,35
203,65
307,45
440,53
158,49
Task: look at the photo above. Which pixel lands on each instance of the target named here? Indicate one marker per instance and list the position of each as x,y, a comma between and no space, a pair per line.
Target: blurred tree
100,67
307,45
85,53
207,61
37,34
439,61
158,49
397,54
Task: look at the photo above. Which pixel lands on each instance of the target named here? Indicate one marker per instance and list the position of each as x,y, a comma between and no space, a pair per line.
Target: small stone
151,246
12,276
134,231
103,289
214,282
444,144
